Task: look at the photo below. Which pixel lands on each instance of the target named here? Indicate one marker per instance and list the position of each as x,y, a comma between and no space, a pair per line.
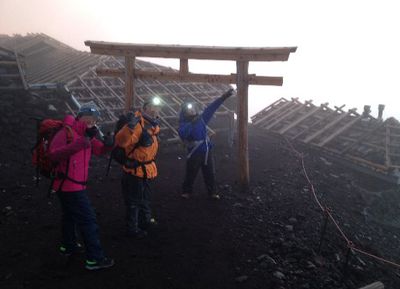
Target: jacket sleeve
127,137
98,148
59,149
211,109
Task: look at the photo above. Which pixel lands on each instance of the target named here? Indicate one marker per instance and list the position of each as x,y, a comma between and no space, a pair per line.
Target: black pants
136,192
193,165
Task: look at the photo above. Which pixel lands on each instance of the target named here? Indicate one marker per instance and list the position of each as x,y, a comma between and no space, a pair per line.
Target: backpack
47,129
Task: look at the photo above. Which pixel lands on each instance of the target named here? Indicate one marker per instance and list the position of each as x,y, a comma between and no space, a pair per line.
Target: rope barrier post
346,263
323,231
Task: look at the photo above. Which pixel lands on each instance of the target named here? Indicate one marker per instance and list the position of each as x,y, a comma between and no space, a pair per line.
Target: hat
89,109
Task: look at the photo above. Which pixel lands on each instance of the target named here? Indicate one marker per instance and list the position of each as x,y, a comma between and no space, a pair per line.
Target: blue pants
79,214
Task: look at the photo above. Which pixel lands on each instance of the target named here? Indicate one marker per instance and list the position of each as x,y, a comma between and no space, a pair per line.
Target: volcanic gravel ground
267,238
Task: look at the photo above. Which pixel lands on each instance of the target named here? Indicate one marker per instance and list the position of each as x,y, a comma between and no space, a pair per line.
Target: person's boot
133,224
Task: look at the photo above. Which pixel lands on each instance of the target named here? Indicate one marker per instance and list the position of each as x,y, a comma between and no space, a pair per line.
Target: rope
350,244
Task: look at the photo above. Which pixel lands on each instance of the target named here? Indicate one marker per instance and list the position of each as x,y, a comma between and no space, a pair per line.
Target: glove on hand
108,141
227,94
91,132
153,121
132,120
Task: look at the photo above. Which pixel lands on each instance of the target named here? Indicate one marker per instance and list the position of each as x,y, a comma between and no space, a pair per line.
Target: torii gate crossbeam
242,79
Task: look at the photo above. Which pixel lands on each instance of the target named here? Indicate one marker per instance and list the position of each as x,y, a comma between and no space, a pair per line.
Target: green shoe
100,264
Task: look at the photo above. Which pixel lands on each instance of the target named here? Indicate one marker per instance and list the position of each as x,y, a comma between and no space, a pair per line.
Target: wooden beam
375,285
242,108
129,85
327,126
387,147
297,121
8,63
339,131
192,77
192,52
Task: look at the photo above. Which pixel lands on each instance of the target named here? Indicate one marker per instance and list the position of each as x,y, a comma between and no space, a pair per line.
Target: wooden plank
375,285
339,131
387,147
297,121
278,110
13,76
192,52
8,63
242,93
192,77
288,114
129,85
329,125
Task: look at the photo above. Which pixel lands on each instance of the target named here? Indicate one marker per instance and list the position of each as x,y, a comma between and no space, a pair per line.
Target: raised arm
212,107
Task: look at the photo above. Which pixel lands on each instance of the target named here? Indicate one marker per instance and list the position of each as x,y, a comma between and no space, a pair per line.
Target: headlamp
189,106
156,100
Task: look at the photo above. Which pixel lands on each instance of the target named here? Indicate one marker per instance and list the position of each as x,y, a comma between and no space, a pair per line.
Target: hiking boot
215,197
139,234
100,264
185,196
67,253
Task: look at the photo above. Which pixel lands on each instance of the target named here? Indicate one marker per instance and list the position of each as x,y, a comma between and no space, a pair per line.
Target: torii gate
242,79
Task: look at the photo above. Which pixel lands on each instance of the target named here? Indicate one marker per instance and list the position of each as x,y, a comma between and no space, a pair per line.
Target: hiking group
64,149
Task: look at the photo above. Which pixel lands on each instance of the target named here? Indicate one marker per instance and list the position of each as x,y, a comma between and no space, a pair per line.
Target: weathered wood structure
371,143
11,71
54,69
242,78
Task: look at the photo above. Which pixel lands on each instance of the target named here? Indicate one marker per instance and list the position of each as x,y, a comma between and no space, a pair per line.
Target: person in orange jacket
139,140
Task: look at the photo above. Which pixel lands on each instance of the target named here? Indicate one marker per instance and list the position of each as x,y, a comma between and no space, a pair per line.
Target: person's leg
132,188
67,222
145,209
85,218
193,165
209,176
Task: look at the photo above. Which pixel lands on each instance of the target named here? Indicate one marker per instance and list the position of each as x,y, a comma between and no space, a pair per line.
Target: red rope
328,212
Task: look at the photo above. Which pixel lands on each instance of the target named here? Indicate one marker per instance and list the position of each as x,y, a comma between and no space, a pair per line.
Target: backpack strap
70,136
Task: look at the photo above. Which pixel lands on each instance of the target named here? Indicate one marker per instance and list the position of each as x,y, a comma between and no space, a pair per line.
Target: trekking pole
38,120
109,164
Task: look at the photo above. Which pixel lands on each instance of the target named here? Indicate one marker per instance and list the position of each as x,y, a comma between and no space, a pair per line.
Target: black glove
132,120
108,140
91,132
153,121
227,94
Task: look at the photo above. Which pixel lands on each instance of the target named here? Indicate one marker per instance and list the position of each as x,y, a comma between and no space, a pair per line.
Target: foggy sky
347,50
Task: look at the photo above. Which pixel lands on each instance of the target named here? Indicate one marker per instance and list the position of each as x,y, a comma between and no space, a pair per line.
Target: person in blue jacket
193,131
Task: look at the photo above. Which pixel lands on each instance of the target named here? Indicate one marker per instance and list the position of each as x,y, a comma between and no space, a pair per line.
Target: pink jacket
78,152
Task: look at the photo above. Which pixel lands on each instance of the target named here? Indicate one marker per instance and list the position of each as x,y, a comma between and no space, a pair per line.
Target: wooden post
184,66
242,108
129,83
375,285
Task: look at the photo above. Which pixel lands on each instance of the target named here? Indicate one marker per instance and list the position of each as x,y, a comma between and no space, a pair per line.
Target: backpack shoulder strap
70,133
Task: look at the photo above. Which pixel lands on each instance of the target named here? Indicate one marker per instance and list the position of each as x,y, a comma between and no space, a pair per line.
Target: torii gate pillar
242,83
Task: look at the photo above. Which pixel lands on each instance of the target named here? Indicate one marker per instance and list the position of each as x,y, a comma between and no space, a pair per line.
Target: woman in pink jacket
71,149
